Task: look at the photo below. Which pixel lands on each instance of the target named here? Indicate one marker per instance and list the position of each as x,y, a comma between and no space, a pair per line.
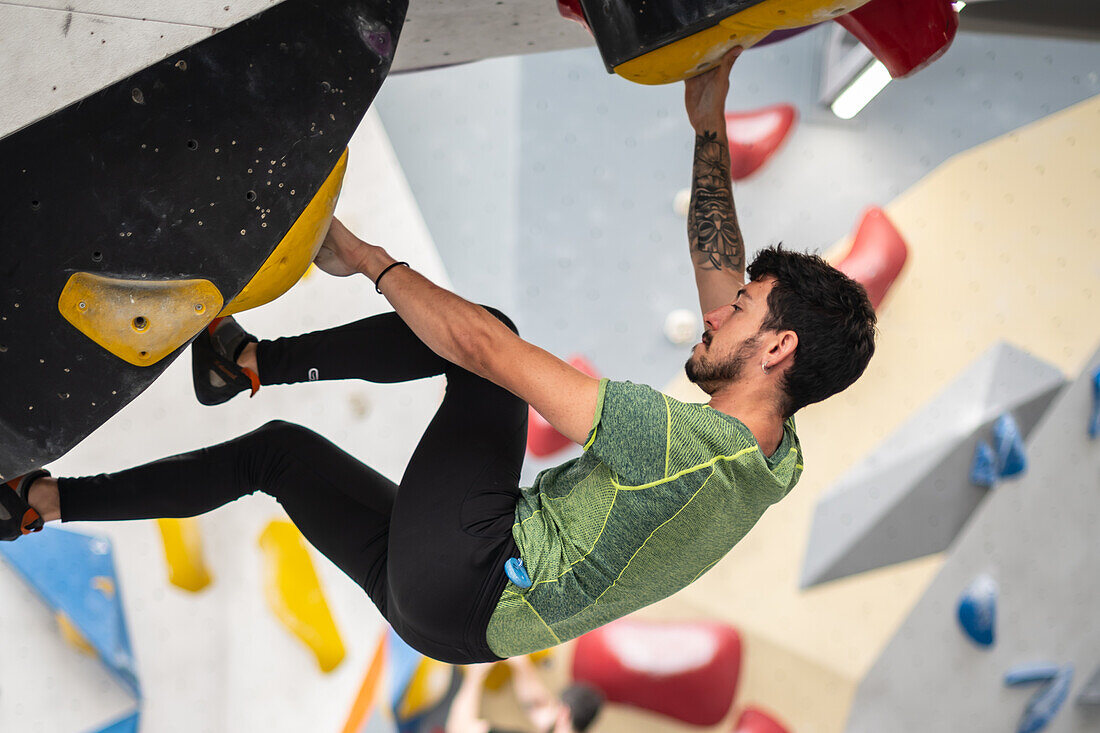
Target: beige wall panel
1004,244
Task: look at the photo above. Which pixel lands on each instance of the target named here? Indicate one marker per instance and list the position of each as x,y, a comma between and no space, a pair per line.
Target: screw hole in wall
250,196
97,256
192,144
36,205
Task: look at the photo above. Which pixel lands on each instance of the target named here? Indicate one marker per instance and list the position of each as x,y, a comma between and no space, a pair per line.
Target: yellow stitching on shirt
560,498
642,546
686,471
668,432
596,541
556,639
708,567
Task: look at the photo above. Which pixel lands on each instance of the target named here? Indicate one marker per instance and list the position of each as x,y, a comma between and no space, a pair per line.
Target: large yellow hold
183,552
700,51
292,257
294,593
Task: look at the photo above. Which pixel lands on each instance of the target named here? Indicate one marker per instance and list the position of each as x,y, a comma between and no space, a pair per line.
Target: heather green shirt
663,491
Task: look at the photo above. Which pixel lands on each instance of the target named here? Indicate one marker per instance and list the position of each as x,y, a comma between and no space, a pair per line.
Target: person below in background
466,565
573,712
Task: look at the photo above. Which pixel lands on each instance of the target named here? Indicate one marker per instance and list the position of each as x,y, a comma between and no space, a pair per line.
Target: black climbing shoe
17,517
214,369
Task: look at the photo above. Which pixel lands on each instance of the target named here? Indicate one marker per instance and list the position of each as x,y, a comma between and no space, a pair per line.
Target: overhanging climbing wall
170,188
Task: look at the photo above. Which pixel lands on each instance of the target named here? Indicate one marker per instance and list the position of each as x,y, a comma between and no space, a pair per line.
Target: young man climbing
465,564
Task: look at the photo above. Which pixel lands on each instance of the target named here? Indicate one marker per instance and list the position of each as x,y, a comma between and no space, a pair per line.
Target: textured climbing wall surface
195,168
1037,537
219,660
57,52
1005,245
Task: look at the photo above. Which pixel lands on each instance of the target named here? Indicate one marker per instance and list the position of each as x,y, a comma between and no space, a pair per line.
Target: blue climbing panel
402,662
75,574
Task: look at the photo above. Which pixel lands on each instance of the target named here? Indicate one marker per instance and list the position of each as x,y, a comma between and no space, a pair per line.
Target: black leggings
430,552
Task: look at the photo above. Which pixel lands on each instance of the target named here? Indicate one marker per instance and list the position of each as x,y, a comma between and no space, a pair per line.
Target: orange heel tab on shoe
32,521
254,378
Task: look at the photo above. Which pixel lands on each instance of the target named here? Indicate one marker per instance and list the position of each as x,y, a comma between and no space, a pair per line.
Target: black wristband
387,269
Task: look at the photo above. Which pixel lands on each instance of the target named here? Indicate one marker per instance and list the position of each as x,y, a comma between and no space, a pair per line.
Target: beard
710,375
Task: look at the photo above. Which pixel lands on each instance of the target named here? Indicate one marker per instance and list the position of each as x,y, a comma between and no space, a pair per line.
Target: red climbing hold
571,10
542,439
905,35
755,137
755,720
878,253
687,671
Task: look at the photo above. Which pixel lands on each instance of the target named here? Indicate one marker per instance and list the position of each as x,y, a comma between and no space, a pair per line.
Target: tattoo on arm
713,232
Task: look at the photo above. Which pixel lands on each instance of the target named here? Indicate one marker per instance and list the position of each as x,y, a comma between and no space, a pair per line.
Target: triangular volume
75,575
912,495
756,136
129,724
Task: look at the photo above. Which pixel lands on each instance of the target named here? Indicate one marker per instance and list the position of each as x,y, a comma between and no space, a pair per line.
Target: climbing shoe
17,517
214,369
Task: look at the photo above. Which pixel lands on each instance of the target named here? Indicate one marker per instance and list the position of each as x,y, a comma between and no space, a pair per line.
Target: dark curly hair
832,316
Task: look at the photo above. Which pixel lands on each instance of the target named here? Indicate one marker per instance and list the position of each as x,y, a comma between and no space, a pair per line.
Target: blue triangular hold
983,469
1094,421
129,724
1047,702
977,611
1009,444
75,574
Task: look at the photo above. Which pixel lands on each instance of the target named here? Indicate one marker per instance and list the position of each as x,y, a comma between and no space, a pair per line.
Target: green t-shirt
663,491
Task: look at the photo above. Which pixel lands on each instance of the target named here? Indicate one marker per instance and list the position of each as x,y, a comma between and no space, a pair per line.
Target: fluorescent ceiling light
862,90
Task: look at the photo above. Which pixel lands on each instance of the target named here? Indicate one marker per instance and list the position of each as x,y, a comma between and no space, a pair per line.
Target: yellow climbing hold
183,553
139,321
294,593
293,256
700,51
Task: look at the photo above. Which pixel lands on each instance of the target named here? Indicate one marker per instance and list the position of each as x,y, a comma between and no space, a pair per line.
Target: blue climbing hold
1011,458
516,573
1094,422
983,470
1047,702
977,610
1023,674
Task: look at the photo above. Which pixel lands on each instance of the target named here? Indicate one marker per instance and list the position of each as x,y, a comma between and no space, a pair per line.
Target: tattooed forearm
713,233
